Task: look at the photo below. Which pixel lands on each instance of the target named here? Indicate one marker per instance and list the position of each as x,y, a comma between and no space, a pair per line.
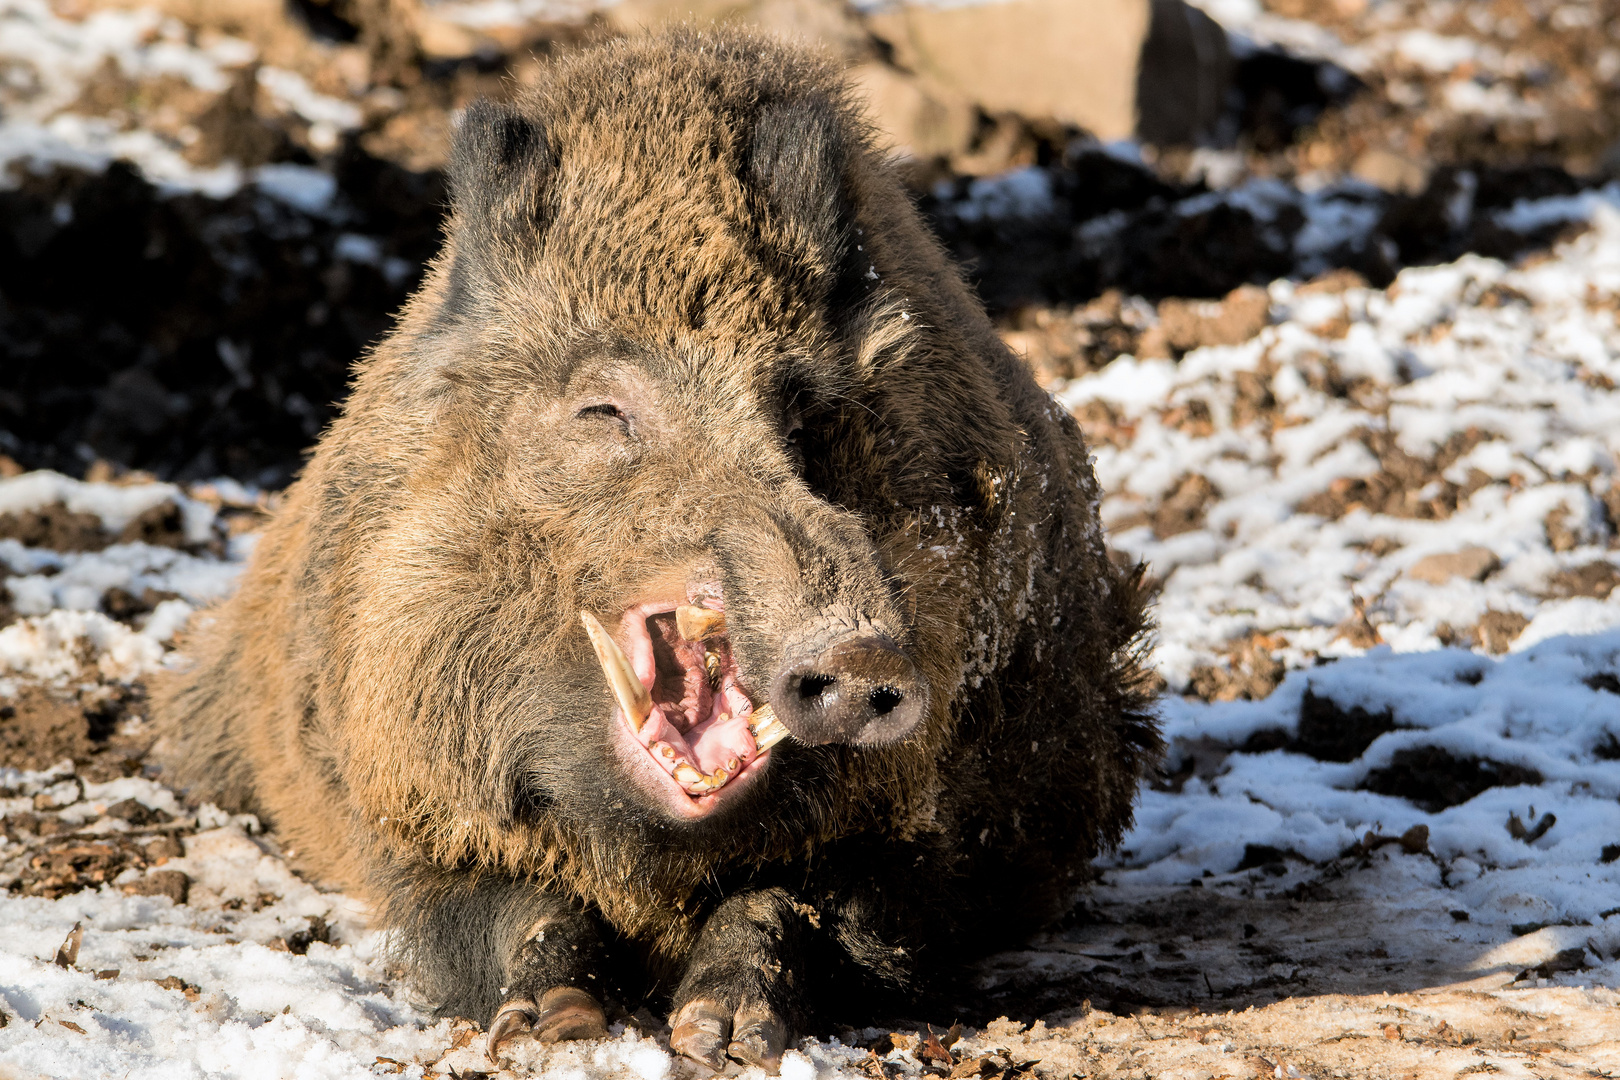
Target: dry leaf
68,954
932,1051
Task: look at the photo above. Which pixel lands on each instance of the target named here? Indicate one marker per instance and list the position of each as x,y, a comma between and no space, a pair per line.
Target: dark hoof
563,1013
708,1033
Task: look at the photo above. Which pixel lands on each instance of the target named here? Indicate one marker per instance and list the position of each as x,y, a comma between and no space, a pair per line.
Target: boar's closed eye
604,409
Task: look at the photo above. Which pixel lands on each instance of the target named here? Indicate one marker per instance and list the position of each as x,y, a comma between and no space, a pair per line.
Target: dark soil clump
191,336
57,528
1432,778
1330,732
39,729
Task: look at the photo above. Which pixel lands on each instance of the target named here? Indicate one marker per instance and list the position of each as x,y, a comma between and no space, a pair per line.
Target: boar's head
680,362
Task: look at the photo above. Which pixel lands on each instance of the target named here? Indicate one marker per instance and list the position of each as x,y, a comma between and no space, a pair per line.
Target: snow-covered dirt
1393,668
1386,839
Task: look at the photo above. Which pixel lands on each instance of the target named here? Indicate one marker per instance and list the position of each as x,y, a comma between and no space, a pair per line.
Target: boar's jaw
681,708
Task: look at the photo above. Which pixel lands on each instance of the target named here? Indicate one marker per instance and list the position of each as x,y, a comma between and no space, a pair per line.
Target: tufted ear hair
797,163
500,164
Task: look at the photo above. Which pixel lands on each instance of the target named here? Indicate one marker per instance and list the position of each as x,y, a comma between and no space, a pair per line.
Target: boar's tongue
700,716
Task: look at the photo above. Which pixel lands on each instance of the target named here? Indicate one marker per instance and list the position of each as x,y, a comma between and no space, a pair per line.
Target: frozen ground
1387,838
1386,520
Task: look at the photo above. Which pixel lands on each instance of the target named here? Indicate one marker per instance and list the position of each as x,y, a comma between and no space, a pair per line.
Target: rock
1498,630
1118,68
916,118
1391,171
1193,324
1594,579
918,114
1337,280
171,883
441,39
1471,564
825,22
1049,58
136,813
1184,72
1245,311
163,847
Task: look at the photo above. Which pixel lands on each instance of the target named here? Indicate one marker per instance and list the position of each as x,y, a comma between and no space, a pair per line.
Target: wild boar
695,602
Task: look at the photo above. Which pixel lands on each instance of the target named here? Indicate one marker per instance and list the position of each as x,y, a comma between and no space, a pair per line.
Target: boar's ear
500,162
797,163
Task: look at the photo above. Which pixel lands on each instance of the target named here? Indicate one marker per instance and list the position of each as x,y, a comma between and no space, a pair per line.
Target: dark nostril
858,688
813,686
885,699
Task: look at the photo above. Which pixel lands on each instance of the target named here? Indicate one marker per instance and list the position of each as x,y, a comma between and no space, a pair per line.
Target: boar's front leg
547,965
741,995
504,951
857,935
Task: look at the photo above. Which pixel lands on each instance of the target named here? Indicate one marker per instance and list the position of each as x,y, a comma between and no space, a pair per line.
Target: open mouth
680,699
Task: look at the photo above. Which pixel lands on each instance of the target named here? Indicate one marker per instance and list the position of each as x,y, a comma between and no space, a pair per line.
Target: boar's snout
858,688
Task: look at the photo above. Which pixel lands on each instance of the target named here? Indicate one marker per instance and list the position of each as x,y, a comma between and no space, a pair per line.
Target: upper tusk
766,728
621,676
699,623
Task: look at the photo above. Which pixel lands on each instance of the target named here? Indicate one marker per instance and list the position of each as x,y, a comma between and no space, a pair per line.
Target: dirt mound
1434,778
58,528
1088,222
192,336
41,727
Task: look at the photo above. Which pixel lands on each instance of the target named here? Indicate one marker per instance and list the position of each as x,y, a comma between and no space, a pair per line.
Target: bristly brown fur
700,221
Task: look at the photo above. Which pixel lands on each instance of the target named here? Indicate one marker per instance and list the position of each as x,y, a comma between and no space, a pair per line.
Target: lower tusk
699,623
766,728
621,676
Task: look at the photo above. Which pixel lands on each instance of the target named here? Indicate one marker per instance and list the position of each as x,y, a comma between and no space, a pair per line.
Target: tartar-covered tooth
711,664
621,676
766,728
664,750
699,623
713,782
688,775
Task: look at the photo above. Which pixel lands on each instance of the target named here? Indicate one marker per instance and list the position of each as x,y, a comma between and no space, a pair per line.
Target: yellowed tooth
688,776
621,676
699,623
713,782
711,664
766,728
